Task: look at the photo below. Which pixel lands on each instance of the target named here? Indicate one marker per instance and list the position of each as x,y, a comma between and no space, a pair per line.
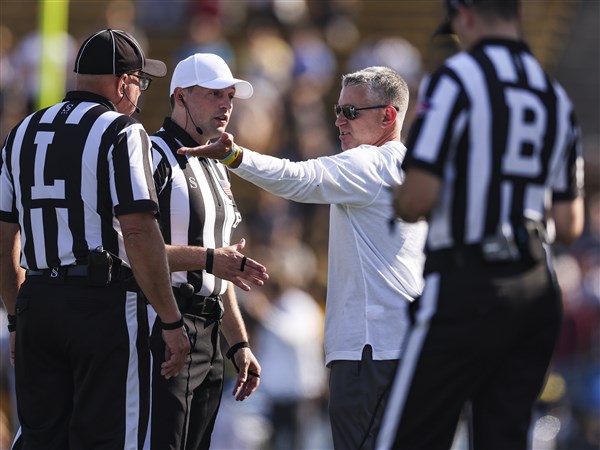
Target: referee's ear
121,84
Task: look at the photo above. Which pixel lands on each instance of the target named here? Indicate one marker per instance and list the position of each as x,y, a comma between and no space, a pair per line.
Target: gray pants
358,393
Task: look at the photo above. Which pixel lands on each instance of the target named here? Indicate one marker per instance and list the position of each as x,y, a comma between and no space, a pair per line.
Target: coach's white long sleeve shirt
373,271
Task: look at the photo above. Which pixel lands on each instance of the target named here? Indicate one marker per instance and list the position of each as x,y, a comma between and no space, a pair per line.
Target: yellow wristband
231,157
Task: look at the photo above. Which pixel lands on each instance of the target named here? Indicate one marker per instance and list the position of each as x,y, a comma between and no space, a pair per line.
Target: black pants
358,392
484,334
184,408
82,366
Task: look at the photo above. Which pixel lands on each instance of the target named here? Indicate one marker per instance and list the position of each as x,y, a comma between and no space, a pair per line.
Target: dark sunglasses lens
348,111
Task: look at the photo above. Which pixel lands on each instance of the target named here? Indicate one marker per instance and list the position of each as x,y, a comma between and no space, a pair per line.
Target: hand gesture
231,265
216,150
248,378
177,349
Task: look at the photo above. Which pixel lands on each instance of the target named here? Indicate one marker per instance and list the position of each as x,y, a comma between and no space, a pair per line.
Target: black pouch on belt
99,267
183,295
530,237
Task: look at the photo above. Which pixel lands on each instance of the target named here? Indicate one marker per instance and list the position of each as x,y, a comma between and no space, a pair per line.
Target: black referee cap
115,52
504,7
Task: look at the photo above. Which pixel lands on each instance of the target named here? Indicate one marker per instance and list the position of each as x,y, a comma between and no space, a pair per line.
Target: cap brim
243,89
445,28
155,68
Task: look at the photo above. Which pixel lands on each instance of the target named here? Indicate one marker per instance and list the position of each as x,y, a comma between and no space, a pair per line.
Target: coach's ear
389,116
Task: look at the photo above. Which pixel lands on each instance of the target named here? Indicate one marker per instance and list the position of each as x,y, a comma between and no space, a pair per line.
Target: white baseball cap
209,71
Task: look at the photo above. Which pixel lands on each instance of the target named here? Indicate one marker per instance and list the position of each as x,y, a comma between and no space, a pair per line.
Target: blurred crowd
293,53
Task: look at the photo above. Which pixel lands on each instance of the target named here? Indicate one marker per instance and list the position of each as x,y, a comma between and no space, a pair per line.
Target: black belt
198,305
524,249
118,273
61,271
457,257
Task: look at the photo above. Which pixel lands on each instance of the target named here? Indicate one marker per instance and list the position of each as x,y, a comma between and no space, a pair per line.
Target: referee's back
494,157
501,134
65,195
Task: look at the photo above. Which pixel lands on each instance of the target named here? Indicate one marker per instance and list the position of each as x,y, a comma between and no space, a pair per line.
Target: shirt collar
86,96
179,133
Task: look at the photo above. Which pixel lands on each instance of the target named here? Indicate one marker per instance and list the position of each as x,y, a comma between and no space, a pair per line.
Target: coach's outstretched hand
219,149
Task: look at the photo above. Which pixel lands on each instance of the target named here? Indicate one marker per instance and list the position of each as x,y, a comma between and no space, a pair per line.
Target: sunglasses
144,81
351,112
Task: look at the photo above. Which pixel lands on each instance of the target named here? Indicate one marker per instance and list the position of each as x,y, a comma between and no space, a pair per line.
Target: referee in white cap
77,223
198,217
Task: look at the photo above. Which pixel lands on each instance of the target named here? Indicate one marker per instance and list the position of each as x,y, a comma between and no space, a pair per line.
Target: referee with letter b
494,162
77,222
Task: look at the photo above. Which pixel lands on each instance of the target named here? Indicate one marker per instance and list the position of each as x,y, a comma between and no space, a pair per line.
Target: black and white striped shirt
502,137
66,172
195,200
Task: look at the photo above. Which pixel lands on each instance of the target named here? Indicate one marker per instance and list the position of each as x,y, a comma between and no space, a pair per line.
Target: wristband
231,157
12,322
172,325
210,254
235,348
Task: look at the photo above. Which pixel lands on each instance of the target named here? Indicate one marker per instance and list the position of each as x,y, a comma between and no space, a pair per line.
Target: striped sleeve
8,210
566,170
441,101
132,182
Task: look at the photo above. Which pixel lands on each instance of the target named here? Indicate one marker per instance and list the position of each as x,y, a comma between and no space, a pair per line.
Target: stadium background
294,53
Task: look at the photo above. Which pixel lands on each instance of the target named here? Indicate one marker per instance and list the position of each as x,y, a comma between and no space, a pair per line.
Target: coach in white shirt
375,269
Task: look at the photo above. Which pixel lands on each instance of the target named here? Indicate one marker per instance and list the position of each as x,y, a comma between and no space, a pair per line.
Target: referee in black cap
494,162
77,223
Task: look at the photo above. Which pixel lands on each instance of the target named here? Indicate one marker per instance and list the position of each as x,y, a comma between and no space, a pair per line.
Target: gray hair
384,86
